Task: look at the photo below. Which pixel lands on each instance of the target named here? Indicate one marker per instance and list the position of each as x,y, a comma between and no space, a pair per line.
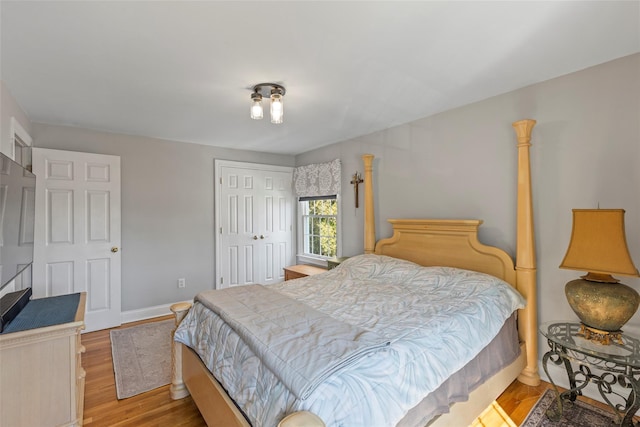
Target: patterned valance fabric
318,179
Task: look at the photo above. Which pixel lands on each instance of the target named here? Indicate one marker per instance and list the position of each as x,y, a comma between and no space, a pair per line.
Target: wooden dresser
301,270
41,374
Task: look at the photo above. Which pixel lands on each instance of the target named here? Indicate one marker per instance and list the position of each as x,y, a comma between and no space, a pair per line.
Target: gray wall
462,164
167,208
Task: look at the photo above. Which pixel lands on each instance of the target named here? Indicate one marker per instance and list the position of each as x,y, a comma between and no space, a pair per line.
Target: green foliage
320,227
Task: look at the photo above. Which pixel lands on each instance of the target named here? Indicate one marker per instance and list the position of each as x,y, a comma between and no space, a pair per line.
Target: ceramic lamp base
603,306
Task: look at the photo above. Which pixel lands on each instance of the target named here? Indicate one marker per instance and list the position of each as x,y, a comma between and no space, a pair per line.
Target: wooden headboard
454,243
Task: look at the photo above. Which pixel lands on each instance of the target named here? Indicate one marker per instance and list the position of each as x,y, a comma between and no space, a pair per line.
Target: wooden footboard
215,405
191,376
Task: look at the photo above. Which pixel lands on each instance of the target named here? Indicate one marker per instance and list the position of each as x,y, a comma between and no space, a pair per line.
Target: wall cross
356,180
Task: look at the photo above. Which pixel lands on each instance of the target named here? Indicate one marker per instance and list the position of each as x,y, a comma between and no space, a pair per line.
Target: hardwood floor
518,399
101,406
156,409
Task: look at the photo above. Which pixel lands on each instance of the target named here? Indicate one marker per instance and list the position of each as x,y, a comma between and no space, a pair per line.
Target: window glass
319,226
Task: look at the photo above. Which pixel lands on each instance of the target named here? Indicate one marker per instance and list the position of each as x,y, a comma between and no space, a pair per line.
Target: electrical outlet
182,282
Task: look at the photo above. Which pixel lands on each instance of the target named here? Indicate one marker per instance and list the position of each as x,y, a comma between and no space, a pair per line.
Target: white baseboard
147,313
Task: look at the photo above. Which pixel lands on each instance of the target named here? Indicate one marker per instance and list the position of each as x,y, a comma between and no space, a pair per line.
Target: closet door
254,214
275,226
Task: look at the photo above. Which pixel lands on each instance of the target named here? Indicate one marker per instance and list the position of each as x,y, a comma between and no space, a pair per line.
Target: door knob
114,249
255,237
261,236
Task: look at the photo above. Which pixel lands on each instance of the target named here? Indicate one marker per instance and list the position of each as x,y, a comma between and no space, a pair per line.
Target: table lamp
598,245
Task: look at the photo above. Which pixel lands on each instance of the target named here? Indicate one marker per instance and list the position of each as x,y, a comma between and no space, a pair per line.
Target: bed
435,255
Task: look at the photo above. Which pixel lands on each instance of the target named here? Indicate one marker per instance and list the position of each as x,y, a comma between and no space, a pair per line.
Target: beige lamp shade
598,243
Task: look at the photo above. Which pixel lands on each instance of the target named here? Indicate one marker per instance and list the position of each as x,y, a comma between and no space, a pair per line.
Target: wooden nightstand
301,270
334,262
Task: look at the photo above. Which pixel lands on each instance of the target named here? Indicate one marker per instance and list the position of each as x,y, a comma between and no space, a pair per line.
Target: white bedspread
437,319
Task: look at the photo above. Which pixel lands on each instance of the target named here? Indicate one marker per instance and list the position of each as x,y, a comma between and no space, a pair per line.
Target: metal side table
613,368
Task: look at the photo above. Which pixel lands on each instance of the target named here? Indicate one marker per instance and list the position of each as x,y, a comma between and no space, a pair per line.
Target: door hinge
221,280
220,180
220,230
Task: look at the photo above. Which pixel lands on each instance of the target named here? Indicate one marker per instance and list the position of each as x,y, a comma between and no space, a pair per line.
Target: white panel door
77,231
254,213
275,226
239,241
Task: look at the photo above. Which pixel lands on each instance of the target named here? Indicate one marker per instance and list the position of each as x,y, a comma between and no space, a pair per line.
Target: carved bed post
526,256
177,389
369,217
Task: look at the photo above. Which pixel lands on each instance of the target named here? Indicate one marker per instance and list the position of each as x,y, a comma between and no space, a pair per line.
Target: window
318,189
319,226
20,150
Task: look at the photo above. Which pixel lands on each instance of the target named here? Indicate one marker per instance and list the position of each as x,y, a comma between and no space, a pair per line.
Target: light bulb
277,108
256,106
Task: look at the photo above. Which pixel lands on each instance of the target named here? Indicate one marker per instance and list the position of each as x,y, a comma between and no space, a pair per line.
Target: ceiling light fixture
276,93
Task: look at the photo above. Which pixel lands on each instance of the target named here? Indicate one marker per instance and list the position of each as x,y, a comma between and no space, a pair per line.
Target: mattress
438,320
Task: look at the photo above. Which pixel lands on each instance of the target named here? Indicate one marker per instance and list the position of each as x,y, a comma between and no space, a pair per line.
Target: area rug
576,414
141,357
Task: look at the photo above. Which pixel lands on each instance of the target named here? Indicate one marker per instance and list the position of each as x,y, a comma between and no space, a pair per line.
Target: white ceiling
182,70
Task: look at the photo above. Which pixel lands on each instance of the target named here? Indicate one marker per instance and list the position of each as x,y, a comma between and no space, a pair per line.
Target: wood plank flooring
156,409
151,409
518,399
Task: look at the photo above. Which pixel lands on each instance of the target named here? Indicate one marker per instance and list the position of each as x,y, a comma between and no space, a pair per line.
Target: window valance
318,179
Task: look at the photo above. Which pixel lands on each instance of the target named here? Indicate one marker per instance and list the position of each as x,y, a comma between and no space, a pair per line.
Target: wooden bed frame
451,243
